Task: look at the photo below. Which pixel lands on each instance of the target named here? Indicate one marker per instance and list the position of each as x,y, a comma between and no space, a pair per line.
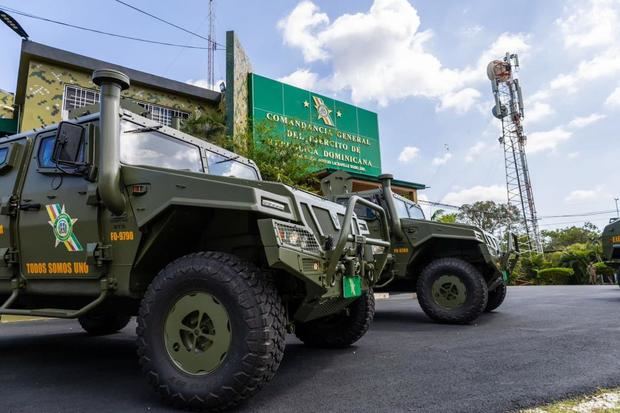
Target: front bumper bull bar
335,255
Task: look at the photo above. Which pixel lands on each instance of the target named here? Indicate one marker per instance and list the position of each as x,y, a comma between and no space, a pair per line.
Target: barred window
163,115
77,97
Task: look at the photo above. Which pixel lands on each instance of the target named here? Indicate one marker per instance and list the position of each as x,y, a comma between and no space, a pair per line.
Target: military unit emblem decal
62,226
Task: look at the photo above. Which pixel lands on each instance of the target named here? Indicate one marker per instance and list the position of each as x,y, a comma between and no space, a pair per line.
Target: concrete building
51,82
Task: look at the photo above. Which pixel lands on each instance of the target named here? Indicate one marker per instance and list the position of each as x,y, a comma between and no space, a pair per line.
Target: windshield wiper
231,158
145,129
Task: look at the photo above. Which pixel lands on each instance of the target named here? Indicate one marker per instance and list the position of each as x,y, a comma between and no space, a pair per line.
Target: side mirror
69,143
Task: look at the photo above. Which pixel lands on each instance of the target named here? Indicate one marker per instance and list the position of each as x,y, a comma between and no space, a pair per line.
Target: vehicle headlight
376,250
296,236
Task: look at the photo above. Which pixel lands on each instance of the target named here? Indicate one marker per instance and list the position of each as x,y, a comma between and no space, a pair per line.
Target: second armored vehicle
611,246
457,271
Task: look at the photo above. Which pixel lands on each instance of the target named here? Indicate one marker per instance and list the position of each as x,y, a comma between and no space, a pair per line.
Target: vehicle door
58,218
12,167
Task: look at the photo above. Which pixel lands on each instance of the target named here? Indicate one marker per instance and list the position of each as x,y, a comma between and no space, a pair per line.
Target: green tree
578,257
560,238
491,216
441,216
208,126
277,161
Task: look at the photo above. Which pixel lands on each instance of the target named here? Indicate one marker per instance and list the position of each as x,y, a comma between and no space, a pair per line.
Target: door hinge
11,256
9,206
98,253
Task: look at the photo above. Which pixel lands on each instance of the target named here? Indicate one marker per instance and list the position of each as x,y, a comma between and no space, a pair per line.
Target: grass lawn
603,401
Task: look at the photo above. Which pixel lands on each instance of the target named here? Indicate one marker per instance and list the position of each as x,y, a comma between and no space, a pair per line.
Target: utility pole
212,46
617,210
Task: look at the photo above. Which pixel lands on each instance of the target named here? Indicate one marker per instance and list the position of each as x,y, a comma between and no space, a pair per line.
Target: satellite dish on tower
498,70
501,113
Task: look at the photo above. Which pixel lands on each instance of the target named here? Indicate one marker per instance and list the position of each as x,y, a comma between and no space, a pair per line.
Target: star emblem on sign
323,111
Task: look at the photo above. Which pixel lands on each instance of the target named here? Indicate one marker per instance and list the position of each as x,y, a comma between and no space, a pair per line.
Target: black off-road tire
103,323
257,328
475,285
342,329
496,297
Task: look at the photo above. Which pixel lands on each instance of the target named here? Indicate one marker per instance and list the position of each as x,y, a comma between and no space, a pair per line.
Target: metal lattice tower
212,46
509,109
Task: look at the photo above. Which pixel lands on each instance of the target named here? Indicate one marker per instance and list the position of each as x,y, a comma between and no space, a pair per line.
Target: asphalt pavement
543,344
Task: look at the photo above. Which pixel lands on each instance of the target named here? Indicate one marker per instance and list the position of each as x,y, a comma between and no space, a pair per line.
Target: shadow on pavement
76,365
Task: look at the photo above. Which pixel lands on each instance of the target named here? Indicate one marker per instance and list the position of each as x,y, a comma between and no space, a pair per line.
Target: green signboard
337,135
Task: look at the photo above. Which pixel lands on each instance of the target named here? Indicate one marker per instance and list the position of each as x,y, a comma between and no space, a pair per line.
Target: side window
4,153
46,152
362,211
401,208
225,166
151,148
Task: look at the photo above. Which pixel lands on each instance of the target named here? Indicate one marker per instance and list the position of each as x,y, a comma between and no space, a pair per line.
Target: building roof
40,52
374,179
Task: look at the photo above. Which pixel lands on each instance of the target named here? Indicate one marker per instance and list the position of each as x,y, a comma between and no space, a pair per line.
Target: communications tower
509,109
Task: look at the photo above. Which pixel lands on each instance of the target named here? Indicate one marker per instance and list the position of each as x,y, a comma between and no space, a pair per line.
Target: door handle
30,206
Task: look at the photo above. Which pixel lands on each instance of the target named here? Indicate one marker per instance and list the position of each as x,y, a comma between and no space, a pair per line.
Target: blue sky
419,64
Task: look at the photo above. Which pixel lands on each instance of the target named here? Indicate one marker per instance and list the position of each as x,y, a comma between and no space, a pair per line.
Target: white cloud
472,31
583,121
408,153
547,140
573,155
613,100
538,111
460,101
475,151
551,139
297,29
476,193
204,83
579,195
382,55
506,42
604,64
594,23
302,78
442,160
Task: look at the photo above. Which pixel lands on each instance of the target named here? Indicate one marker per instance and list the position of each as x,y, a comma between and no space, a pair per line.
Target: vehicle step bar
53,312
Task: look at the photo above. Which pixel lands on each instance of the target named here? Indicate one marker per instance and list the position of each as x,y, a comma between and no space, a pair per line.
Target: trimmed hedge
603,269
555,276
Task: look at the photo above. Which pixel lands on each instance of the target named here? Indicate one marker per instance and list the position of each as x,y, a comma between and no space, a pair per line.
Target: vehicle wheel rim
449,291
197,333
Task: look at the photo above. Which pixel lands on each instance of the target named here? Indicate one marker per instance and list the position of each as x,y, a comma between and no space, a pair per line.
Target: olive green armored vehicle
457,271
112,215
611,246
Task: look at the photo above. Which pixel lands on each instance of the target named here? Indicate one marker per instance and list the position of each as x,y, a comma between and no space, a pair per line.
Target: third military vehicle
457,271
112,215
611,246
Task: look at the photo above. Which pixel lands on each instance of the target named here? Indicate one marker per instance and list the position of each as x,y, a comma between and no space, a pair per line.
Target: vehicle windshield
407,209
221,165
148,147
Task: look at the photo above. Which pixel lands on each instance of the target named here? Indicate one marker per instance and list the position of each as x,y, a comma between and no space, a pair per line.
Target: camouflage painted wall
6,104
238,68
46,85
